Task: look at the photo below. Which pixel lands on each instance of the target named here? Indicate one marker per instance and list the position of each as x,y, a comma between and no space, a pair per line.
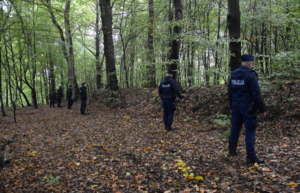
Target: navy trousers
58,102
169,108
52,103
249,119
70,103
83,106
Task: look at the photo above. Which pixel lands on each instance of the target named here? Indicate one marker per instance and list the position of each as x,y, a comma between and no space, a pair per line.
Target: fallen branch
6,154
8,142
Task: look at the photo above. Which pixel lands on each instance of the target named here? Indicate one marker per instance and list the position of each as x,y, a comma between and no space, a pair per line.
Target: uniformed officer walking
245,97
83,98
167,90
59,96
69,96
52,98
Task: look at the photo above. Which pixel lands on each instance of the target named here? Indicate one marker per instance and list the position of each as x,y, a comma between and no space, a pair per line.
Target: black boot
166,126
232,154
169,128
256,160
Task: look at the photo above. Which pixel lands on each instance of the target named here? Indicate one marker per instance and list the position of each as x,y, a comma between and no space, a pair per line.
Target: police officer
52,98
245,97
69,96
59,96
167,90
83,97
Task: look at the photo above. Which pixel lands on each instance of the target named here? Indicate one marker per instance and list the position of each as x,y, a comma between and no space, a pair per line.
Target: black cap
170,72
70,86
83,83
246,58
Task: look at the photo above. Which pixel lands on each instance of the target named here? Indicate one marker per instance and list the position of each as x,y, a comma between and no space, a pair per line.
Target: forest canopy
49,43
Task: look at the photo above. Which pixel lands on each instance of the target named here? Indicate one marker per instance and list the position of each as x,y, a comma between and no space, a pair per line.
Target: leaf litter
122,146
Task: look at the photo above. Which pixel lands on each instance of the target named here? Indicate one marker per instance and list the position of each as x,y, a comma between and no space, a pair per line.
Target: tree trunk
106,17
6,91
233,23
1,99
51,75
97,54
71,69
261,58
174,55
151,58
216,75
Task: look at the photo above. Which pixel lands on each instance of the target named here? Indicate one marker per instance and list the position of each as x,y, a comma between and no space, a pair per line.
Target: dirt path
58,150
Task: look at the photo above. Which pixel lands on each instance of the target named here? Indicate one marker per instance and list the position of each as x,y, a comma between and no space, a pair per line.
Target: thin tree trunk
97,54
1,99
47,86
261,58
6,91
216,75
51,66
151,58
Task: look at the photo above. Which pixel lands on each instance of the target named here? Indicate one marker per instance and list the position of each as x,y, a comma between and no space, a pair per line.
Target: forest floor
122,146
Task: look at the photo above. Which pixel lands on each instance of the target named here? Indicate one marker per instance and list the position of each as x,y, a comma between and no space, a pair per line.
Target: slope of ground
122,147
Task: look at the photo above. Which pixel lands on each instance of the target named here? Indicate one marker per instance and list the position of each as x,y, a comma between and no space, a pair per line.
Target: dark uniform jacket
59,93
52,96
83,94
244,92
168,88
69,93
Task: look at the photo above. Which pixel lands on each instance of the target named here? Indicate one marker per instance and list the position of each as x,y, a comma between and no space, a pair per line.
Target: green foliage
33,43
279,84
50,179
222,120
225,134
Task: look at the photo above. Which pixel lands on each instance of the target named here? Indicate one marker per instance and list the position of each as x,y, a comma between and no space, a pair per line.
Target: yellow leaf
78,164
31,155
292,184
127,174
189,178
94,186
199,178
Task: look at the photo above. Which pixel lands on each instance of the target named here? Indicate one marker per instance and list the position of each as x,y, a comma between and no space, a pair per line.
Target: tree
151,57
174,54
233,23
106,17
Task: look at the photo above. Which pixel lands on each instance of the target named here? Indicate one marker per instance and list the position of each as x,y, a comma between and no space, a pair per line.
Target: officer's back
168,88
244,90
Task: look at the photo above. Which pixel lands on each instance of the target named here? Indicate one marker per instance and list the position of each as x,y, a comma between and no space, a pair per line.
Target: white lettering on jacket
165,85
238,82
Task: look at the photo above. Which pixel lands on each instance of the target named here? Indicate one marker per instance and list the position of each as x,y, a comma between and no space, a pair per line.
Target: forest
122,50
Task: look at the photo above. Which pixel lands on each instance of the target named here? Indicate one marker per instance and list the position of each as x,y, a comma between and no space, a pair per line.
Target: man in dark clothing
244,96
70,99
52,98
168,90
59,96
83,98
